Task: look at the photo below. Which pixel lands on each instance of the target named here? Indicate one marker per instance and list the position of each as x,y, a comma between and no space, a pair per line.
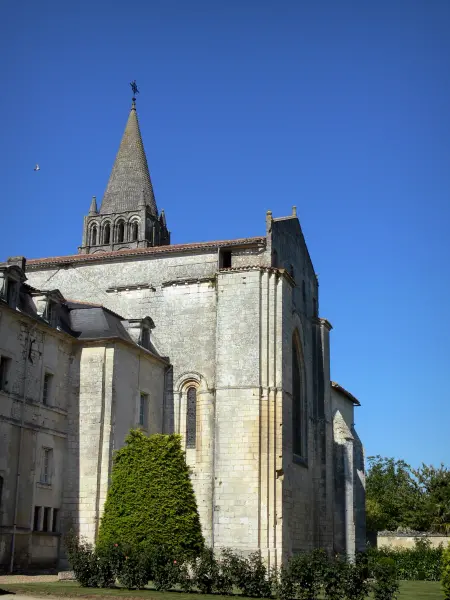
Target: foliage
392,494
356,586
399,497
386,585
445,576
151,501
249,574
423,562
90,568
134,570
206,571
334,576
435,486
302,576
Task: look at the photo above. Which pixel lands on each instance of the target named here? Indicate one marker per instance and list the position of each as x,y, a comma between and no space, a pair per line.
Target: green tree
434,484
151,501
392,494
398,496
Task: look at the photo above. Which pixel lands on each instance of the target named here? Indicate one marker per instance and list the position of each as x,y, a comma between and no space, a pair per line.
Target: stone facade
238,322
67,401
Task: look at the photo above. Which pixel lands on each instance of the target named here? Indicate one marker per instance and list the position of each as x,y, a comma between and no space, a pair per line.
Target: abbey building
219,341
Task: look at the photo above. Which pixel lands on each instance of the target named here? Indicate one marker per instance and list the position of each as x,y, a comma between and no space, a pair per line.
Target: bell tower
128,216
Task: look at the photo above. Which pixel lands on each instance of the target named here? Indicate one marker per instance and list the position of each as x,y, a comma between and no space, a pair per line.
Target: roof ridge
143,251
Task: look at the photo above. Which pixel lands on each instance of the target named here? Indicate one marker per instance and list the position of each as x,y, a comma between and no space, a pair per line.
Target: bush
151,501
334,578
386,583
209,575
356,586
302,576
134,570
249,574
164,569
91,568
419,563
445,577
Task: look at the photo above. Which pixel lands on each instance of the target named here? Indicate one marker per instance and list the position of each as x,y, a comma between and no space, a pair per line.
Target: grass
409,590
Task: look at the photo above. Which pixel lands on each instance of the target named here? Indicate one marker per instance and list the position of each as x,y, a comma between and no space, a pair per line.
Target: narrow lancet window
298,416
94,236
191,417
120,232
106,234
134,231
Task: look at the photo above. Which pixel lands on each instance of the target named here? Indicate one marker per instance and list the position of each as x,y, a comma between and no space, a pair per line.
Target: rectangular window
37,514
47,459
51,313
145,338
143,401
46,519
55,520
225,259
48,378
11,293
5,368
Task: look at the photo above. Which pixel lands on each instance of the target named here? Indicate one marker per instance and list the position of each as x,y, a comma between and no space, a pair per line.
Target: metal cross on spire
134,88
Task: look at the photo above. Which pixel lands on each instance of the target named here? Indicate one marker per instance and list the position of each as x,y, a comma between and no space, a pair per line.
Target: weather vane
134,87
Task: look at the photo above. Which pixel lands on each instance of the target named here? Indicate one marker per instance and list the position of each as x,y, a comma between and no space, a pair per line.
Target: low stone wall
408,540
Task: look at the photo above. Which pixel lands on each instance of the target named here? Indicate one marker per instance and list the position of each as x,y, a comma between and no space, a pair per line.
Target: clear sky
339,107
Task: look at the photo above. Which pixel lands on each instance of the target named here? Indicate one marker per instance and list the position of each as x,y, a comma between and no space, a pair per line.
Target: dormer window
11,278
145,337
11,292
50,312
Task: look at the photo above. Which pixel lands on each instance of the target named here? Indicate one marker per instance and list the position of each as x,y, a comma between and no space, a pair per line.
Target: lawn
410,590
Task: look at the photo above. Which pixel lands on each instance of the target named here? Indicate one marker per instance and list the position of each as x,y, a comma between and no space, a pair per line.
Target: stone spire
93,210
130,178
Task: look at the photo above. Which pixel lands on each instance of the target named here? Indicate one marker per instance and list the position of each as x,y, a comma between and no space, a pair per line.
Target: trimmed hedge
306,576
445,577
151,501
421,563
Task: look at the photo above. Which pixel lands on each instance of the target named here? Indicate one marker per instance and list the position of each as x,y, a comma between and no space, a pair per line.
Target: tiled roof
351,397
129,184
119,254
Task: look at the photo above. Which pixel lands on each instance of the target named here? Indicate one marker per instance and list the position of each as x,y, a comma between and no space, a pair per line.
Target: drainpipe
22,418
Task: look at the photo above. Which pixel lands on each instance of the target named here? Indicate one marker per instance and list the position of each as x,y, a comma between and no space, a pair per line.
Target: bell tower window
134,231
94,236
106,233
120,232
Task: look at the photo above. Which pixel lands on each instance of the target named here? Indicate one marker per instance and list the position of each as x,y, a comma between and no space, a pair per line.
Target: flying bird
37,168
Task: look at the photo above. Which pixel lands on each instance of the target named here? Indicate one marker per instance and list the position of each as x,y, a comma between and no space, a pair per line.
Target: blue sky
341,108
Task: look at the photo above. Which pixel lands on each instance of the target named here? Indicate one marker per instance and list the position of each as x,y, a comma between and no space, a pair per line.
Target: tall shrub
151,501
445,577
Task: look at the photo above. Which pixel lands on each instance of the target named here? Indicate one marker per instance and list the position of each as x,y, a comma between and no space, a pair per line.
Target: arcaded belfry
128,215
219,341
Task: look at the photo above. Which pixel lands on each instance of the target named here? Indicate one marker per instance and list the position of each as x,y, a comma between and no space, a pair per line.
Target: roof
351,397
121,254
129,184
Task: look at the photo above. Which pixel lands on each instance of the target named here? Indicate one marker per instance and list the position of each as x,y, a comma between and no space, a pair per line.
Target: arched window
299,424
94,236
106,233
120,231
134,231
191,417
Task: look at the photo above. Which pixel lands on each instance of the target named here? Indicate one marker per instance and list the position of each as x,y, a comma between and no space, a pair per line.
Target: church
220,341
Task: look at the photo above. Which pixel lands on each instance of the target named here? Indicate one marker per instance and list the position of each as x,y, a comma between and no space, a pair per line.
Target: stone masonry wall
34,349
